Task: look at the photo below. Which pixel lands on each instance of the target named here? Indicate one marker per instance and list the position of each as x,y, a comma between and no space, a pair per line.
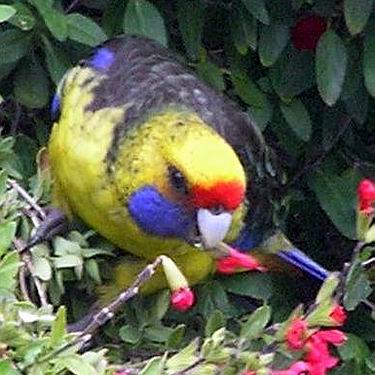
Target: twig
23,284
368,262
25,256
27,197
107,313
73,4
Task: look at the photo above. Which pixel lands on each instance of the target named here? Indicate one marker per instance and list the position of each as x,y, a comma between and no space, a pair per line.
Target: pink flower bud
182,299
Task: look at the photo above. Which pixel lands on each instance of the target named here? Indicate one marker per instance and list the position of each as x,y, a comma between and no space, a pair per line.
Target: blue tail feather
302,261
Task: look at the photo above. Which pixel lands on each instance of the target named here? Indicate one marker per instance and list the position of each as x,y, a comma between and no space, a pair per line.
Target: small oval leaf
331,61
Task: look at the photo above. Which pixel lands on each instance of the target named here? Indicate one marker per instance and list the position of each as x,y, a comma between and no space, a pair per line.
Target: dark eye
177,180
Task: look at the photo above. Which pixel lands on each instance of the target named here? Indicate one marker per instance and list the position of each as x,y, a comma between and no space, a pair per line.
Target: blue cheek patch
55,106
102,59
158,216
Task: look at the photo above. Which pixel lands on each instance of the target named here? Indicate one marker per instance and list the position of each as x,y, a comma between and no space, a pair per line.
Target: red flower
297,368
318,356
338,315
182,299
366,196
249,373
307,32
236,261
296,334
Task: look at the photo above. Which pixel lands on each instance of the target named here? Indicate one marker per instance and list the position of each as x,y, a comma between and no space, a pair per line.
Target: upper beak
213,228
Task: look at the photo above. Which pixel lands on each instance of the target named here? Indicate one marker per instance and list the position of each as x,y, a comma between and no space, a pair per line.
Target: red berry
307,31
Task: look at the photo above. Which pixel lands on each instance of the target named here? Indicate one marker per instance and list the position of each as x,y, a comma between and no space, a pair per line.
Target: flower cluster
315,344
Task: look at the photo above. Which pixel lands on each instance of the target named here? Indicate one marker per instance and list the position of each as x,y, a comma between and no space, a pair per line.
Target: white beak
213,228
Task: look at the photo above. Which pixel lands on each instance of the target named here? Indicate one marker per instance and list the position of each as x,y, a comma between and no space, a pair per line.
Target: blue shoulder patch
102,59
157,215
55,106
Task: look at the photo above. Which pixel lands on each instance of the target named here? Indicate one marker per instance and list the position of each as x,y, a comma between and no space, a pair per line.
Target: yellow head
180,179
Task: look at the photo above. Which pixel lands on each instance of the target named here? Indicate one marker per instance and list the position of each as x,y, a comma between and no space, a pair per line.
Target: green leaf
77,365
7,233
247,90
130,334
154,367
262,116
258,9
42,268
190,15
24,18
57,61
212,74
9,266
337,197
328,288
293,73
215,321
272,41
354,348
31,85
143,18
58,330
67,261
255,285
357,286
83,30
369,63
14,44
55,21
256,323
244,28
184,358
331,61
298,118
6,12
357,13
7,368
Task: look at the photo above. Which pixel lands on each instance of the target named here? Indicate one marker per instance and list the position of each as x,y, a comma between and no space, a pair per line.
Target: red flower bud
296,334
236,261
307,31
182,299
338,315
366,196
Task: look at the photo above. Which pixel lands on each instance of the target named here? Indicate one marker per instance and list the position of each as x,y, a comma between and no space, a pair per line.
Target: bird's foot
54,223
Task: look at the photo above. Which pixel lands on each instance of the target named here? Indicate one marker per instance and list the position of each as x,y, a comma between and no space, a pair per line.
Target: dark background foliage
304,70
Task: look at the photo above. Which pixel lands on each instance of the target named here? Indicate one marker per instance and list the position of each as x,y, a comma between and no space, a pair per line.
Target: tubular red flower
236,261
307,31
182,299
338,315
366,196
296,334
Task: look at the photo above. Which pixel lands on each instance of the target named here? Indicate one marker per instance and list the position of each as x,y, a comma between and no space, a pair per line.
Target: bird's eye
177,180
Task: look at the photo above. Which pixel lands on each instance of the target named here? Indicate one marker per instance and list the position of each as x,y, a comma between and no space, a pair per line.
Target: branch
26,197
106,313
40,287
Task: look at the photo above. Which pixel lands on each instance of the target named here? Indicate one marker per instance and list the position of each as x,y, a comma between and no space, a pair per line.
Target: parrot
158,162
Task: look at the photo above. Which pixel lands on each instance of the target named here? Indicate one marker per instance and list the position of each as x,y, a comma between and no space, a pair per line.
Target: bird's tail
302,261
278,244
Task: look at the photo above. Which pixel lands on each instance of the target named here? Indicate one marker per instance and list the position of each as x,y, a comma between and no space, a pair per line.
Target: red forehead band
226,194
